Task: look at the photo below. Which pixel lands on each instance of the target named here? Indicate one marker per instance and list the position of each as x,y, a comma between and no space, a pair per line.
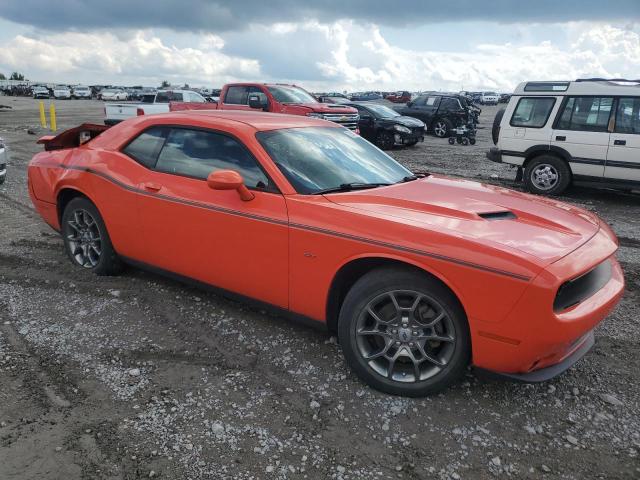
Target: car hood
540,227
404,120
327,108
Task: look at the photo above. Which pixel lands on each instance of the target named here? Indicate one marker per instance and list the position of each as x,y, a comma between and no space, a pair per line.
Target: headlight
401,129
315,115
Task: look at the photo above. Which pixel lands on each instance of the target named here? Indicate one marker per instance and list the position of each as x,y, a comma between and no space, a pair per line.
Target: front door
583,131
210,235
623,158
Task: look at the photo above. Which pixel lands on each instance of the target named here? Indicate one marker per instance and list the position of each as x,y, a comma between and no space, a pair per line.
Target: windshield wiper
347,187
409,178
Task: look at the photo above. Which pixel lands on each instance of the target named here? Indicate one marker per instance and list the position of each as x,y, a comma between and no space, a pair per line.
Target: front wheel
547,175
404,333
385,140
86,239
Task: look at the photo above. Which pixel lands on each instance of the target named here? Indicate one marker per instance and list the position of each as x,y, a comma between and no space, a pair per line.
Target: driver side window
196,153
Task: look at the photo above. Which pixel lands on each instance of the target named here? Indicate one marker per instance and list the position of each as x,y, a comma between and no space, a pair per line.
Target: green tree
2,77
165,84
16,76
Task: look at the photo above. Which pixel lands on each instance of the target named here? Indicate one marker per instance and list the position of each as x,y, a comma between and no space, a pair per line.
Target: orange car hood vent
505,215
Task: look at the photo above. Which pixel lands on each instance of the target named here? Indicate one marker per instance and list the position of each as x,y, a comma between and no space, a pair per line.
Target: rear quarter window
532,112
145,148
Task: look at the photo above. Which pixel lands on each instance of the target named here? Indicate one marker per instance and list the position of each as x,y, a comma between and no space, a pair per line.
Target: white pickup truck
163,101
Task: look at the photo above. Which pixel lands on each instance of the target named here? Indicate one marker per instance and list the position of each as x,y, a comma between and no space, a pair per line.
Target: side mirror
229,180
256,102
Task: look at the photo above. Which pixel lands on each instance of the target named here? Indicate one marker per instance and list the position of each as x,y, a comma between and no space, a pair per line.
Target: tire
411,144
547,175
472,141
404,343
86,239
465,141
385,140
495,129
442,127
2,179
452,140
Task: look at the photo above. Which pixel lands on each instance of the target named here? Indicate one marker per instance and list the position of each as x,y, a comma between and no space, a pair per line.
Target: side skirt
606,182
236,297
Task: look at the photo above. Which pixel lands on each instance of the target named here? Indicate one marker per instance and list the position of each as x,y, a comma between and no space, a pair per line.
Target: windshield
321,158
382,111
284,94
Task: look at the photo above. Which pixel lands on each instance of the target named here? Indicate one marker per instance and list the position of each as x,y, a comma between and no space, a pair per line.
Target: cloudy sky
322,45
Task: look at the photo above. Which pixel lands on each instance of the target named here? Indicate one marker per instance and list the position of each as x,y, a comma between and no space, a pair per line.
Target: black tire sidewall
109,262
495,129
377,282
448,125
384,139
561,167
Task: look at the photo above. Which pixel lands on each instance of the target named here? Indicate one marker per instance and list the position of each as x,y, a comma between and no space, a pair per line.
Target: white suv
556,133
489,98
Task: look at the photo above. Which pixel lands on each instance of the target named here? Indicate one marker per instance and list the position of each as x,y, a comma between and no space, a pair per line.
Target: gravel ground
137,376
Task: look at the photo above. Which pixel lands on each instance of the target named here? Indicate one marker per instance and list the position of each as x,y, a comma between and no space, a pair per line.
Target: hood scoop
505,215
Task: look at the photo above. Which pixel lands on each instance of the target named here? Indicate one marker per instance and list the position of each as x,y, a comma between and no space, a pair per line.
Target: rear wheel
86,239
404,333
547,175
442,127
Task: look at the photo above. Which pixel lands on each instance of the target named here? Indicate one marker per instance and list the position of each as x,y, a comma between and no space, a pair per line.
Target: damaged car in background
387,128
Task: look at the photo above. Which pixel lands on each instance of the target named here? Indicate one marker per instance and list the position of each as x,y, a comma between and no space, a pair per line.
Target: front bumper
535,338
407,138
495,154
582,347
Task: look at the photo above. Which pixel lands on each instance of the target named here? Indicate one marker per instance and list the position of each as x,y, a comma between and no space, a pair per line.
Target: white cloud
320,56
595,50
102,57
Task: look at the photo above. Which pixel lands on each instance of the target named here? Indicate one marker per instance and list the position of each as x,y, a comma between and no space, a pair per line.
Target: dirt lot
138,376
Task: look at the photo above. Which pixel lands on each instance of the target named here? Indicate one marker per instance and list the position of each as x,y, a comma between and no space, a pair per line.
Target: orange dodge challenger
420,275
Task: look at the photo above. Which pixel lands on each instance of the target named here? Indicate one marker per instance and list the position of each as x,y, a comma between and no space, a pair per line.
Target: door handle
154,187
619,142
561,138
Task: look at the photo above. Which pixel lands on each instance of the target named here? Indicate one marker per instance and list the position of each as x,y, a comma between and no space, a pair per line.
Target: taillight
139,111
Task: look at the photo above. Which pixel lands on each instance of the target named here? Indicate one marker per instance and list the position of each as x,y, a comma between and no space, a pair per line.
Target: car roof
260,121
582,87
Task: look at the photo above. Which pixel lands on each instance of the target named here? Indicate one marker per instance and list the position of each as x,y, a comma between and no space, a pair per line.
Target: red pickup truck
279,98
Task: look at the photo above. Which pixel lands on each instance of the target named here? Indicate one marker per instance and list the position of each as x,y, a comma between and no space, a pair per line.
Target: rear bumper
495,154
534,342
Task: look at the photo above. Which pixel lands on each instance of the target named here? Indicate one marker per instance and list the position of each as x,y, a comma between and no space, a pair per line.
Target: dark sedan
387,128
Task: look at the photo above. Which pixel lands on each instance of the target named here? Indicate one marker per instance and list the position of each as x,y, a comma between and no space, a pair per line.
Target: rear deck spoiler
72,138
